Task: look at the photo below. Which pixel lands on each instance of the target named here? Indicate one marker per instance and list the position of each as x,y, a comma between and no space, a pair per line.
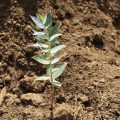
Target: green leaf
57,48
54,82
55,60
44,37
56,72
44,78
48,19
43,45
41,59
48,28
54,36
38,33
41,37
37,22
45,50
41,17
40,45
54,29
40,40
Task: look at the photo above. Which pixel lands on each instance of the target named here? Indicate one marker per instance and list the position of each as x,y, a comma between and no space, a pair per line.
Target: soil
91,82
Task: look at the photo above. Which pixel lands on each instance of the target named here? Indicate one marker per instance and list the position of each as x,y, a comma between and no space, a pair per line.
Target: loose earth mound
91,81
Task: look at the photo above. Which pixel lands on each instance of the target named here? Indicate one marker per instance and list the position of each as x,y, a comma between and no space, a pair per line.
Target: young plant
47,35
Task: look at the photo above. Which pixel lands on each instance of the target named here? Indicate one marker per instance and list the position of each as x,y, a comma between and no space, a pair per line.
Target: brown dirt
91,82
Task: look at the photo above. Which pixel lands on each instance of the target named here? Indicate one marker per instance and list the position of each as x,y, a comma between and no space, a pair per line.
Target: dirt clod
83,98
32,99
63,112
27,84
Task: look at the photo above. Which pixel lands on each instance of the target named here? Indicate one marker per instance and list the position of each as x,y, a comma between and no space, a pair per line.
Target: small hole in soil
25,89
87,103
1,113
54,4
116,22
60,99
98,42
68,15
28,102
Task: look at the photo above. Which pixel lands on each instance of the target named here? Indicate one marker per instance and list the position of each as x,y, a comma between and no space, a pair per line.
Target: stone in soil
32,99
63,112
2,95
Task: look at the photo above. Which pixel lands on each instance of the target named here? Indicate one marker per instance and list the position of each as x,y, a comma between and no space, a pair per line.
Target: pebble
83,98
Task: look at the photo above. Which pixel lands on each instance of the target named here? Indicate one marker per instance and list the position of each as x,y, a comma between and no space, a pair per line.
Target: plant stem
52,102
51,78
52,95
52,87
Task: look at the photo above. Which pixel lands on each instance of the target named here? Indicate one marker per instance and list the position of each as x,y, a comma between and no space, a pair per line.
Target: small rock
2,95
17,101
15,1
28,27
7,78
14,22
102,80
62,112
76,21
117,63
32,99
18,25
9,21
83,98
0,64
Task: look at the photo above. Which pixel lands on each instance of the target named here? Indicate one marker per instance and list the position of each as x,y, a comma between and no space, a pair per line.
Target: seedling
47,35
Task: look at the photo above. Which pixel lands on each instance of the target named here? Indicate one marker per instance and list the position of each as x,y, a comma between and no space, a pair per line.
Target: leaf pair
45,60
56,72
